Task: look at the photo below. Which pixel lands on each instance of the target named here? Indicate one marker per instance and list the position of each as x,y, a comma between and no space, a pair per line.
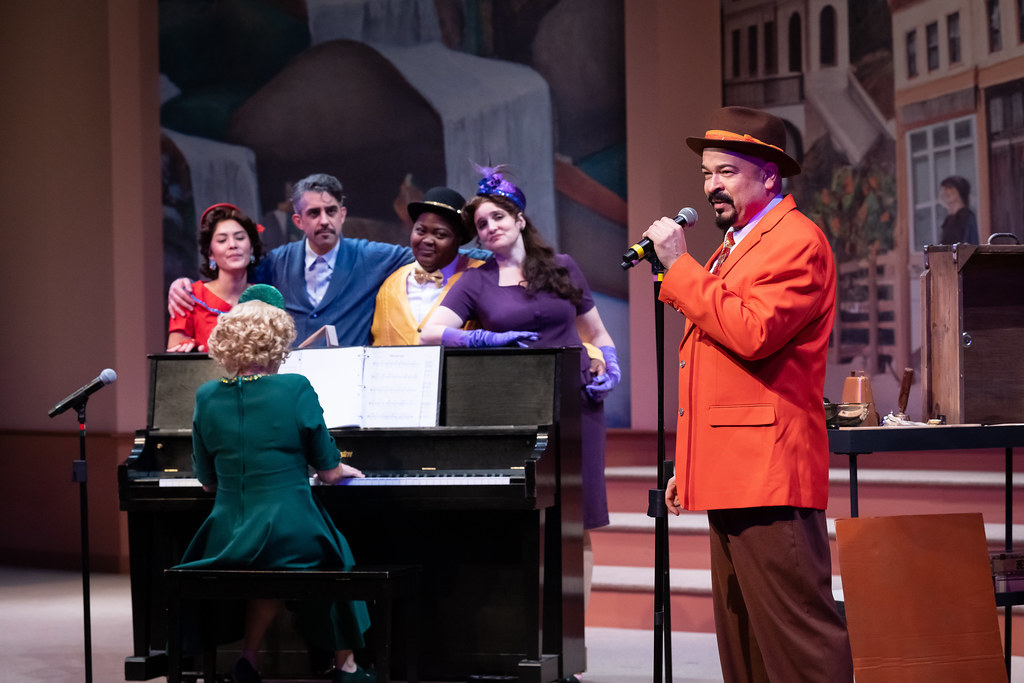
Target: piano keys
388,479
430,480
488,503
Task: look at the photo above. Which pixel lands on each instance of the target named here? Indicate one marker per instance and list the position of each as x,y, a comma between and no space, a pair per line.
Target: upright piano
488,503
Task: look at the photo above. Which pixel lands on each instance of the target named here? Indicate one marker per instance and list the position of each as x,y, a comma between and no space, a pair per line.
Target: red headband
225,205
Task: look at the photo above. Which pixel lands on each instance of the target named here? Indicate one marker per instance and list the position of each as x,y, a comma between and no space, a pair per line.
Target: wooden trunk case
973,307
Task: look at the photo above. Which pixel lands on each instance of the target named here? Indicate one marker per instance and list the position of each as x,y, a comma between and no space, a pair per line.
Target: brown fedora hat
748,131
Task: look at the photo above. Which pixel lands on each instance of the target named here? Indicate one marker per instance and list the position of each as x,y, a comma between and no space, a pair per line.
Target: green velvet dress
254,438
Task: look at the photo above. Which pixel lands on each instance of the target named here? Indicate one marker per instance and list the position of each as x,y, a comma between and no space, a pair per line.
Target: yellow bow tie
423,277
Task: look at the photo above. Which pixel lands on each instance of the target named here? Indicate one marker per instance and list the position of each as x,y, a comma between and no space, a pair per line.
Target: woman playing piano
529,295
230,245
254,434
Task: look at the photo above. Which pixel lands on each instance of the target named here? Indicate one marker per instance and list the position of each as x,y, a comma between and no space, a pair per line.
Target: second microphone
644,249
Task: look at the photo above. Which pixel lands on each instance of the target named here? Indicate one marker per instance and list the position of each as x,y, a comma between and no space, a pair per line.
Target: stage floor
43,635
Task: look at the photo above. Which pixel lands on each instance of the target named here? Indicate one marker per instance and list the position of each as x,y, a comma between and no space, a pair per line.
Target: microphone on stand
76,398
644,249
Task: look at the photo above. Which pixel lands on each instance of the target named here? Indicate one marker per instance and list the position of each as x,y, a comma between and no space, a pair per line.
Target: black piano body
488,503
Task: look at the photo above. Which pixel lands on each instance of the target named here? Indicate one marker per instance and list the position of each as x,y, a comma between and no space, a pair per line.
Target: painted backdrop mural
904,115
394,97
798,60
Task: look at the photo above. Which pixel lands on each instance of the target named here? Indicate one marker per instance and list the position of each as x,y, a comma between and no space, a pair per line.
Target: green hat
265,293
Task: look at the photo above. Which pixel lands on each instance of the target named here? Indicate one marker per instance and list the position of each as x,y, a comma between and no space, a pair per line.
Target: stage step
696,524
902,491
838,476
623,586
681,581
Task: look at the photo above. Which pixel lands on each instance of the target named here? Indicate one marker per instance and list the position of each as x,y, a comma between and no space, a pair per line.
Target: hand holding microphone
644,249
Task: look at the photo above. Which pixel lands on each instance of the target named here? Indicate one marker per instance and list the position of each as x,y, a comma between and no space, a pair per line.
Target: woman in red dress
230,245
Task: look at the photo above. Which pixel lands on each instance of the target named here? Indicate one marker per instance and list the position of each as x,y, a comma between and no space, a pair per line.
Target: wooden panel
974,332
919,599
942,335
993,326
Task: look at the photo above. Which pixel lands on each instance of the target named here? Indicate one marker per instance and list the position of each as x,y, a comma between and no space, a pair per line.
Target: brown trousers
775,616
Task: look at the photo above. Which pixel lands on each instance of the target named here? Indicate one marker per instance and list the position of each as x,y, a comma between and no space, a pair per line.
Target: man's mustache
719,196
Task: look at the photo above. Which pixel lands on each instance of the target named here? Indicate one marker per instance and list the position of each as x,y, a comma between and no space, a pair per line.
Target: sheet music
401,386
383,386
337,377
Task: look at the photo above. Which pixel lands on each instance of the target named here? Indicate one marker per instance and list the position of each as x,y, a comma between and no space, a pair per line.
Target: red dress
199,322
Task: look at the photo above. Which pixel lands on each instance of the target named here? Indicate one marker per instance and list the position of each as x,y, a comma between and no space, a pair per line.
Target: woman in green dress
254,434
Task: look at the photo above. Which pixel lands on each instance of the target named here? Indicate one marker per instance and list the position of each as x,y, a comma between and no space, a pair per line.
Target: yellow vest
393,322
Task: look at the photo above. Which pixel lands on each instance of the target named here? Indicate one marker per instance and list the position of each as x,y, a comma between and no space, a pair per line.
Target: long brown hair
540,269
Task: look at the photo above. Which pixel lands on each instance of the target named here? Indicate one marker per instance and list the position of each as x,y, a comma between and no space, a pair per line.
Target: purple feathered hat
495,183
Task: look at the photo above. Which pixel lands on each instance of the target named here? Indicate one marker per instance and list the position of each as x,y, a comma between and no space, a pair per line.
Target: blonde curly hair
252,336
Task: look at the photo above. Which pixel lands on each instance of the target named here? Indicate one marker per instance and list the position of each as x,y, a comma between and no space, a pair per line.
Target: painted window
736,53
931,35
752,52
827,36
995,26
1005,143
1020,21
771,62
796,44
911,54
937,152
953,35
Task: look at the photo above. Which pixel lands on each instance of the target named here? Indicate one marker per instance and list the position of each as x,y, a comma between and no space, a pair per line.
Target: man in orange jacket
752,448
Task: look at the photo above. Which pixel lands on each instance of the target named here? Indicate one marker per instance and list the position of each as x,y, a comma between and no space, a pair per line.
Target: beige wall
79,134
673,83
81,215
81,209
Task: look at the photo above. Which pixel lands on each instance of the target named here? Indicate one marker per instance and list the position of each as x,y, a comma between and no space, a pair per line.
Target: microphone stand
78,474
656,507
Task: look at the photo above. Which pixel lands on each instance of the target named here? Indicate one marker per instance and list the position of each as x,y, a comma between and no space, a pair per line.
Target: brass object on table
846,414
857,390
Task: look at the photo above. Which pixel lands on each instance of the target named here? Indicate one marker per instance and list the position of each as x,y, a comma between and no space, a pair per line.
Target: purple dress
478,295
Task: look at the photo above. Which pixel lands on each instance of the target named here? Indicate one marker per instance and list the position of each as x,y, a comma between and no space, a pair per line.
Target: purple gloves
602,384
453,336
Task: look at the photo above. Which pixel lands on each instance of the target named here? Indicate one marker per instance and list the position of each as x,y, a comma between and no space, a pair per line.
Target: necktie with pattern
319,277
727,246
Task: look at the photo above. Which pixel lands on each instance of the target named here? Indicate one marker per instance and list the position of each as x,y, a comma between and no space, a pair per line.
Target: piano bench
383,588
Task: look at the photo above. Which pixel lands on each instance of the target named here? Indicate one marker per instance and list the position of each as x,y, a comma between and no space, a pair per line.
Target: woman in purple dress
529,295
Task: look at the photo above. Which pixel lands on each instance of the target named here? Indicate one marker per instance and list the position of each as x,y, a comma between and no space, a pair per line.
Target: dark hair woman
960,224
531,296
230,245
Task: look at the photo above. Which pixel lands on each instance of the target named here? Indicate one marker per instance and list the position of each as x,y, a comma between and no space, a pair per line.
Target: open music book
373,386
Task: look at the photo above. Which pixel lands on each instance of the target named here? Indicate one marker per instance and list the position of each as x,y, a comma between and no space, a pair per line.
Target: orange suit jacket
751,426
